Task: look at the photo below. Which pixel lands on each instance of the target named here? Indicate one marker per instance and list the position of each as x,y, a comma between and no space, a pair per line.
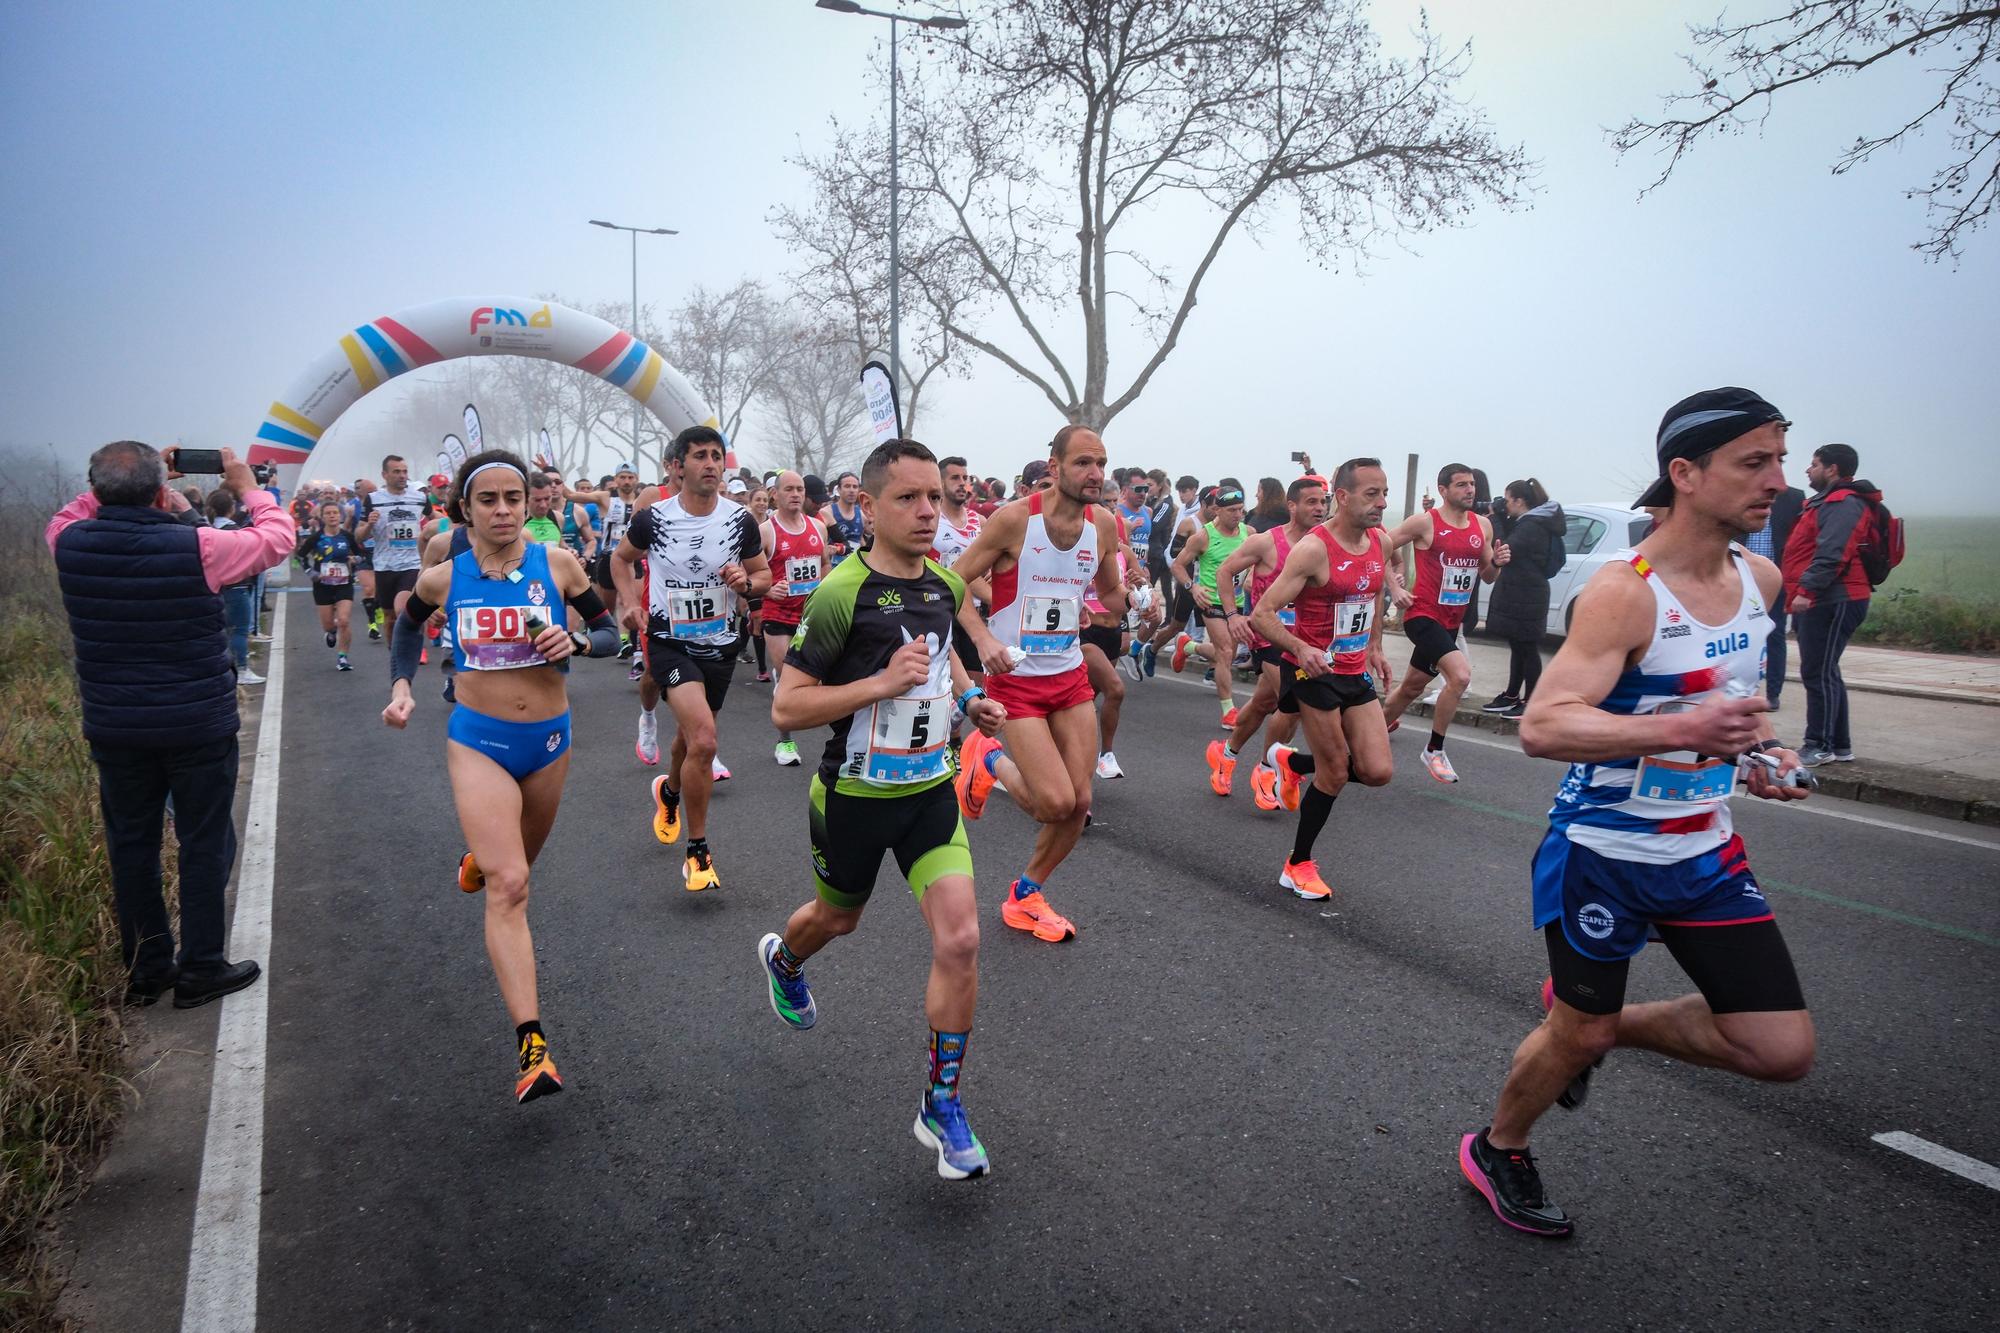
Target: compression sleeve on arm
603,631
405,645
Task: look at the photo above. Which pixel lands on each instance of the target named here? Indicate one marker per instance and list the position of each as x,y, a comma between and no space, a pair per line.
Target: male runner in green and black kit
873,660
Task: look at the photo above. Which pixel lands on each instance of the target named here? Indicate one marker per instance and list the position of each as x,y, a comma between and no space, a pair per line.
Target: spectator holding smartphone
143,591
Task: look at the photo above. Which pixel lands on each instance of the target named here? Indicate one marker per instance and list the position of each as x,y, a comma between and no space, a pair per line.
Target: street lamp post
637,406
941,23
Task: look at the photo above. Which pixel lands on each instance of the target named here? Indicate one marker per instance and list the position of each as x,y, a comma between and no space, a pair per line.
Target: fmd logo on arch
497,316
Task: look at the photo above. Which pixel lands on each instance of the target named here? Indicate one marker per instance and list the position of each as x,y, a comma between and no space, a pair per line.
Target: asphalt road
1219,1106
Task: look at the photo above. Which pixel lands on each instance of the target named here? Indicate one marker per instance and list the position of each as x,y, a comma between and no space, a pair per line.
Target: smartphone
1298,457
198,462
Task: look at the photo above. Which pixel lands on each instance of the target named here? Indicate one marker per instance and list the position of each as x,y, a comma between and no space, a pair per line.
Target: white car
1595,534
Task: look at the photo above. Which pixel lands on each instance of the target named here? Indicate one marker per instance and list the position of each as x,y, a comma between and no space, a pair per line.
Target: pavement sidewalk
1926,725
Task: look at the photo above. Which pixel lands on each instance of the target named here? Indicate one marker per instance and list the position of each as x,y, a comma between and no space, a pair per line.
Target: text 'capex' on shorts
922,828
1430,643
1039,696
673,663
521,748
1330,693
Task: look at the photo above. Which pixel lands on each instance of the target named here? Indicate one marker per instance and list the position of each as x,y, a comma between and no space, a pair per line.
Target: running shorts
1039,696
1270,656
601,571
326,594
777,624
1707,909
521,748
1329,693
1106,637
1430,643
389,582
923,830
671,665
1183,605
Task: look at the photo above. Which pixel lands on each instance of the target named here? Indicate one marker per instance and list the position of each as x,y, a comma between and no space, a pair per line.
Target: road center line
222,1260
1955,1162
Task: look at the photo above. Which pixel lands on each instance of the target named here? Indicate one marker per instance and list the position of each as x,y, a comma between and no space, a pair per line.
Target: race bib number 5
698,613
907,740
496,638
1049,624
1351,623
1455,584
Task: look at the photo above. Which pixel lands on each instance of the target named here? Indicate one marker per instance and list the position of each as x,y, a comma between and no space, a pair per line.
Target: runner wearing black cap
1653,697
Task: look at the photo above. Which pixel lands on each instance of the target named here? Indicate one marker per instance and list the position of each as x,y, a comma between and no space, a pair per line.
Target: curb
1871,782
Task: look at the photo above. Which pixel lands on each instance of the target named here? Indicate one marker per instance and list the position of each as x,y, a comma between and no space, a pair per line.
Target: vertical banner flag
473,438
444,460
546,456
885,414
454,449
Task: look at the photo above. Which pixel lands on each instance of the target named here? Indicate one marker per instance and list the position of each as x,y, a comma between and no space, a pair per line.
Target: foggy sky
202,198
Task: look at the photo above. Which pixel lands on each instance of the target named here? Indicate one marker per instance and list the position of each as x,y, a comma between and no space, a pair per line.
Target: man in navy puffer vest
142,589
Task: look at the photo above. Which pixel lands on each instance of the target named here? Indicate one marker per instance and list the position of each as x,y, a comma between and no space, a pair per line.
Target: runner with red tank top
958,524
1455,551
796,544
1264,555
1331,655
1043,552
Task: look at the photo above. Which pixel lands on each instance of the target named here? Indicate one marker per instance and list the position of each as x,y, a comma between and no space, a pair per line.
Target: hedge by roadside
1933,622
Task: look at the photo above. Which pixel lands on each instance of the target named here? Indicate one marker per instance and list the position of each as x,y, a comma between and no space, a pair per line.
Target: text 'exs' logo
498,315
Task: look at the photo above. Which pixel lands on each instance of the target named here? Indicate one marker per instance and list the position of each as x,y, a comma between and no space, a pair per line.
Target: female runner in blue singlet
507,744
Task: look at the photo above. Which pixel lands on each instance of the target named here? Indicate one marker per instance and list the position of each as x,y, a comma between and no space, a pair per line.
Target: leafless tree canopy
727,344
1740,68
813,416
1036,147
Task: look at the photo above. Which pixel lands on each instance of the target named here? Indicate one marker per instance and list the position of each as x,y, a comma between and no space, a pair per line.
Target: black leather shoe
147,990
191,992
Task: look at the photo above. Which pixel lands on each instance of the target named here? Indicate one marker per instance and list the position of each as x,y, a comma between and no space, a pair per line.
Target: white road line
222,1262
1459,736
1955,1162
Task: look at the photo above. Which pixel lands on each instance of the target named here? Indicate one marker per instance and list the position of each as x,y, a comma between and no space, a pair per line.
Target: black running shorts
923,830
1329,693
673,664
1106,637
1739,969
1431,643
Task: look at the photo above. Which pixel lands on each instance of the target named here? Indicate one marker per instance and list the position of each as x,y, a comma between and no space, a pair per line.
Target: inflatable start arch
384,348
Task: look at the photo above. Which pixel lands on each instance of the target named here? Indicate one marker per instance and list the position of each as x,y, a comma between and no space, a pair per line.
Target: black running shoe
1499,703
1512,1185
1519,708
329,638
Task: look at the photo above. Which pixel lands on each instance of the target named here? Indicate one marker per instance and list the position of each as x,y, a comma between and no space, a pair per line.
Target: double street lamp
941,23
637,407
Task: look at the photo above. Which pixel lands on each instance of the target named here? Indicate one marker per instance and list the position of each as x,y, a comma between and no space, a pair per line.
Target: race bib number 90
1049,624
698,613
1455,584
497,638
1351,622
907,741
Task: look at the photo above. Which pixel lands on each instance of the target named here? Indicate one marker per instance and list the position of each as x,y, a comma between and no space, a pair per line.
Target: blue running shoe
1152,663
941,1125
791,998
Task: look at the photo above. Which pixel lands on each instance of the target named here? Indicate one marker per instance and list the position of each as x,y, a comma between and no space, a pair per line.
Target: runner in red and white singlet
958,525
1455,551
796,545
1043,553
1331,656
1264,555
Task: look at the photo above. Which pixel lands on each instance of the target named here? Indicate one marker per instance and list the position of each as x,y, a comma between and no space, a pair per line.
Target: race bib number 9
1455,584
333,571
802,575
1351,622
497,638
907,741
698,613
1684,781
1049,625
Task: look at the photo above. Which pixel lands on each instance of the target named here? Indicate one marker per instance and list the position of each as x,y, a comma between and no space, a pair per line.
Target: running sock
698,845
1228,750
1313,810
531,1028
947,1054
789,965
368,605
672,798
1437,741
758,644
1024,887
1301,762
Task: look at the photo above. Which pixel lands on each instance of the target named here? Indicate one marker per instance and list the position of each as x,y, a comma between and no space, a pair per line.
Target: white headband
474,474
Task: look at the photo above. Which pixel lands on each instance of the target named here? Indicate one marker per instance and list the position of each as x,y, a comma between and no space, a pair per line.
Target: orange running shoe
1034,915
1221,769
1290,784
1264,787
973,783
1229,717
1302,878
666,818
1180,653
538,1072
471,879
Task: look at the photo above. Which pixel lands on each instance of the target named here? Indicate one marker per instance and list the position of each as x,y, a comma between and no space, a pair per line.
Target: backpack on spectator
1880,549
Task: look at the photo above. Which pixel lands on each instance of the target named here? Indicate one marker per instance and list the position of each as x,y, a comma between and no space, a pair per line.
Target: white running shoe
248,677
1439,767
717,770
787,754
648,748
1431,699
1107,766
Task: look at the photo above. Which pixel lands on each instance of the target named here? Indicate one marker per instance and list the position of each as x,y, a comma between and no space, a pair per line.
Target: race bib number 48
907,740
496,638
1455,584
1049,624
698,613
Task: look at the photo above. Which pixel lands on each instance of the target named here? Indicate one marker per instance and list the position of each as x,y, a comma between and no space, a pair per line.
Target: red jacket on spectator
1822,557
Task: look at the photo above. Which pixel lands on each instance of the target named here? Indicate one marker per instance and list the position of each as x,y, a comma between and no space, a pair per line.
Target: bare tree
1742,67
727,344
811,407
1067,128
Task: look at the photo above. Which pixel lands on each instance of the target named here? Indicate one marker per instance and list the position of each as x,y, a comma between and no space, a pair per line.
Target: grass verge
1935,622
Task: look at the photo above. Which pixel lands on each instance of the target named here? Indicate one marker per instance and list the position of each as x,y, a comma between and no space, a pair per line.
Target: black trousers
1823,635
132,789
1774,656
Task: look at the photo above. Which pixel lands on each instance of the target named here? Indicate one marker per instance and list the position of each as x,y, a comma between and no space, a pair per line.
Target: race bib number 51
1049,624
1351,623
